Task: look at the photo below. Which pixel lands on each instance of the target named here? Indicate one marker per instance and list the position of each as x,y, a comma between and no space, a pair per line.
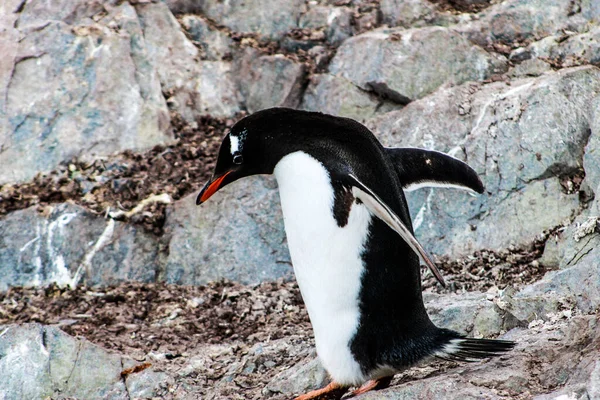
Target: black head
259,141
253,146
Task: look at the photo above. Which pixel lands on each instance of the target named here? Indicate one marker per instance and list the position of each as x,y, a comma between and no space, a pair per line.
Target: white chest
326,258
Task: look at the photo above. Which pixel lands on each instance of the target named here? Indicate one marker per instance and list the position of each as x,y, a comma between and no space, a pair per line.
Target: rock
336,22
237,235
216,91
69,245
71,86
591,159
564,51
214,44
301,378
229,367
517,21
41,361
404,65
510,136
269,81
194,89
338,96
10,6
528,68
264,17
413,13
577,280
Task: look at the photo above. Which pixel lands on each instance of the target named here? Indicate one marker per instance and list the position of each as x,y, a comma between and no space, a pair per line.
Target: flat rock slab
67,245
39,362
75,79
404,65
238,234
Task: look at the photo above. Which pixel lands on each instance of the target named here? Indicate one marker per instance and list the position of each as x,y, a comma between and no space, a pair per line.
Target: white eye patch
235,143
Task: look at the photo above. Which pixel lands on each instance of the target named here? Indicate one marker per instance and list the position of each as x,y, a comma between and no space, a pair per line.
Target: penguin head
253,146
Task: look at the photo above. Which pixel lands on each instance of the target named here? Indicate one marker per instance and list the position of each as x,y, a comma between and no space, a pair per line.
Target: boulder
269,80
238,235
75,79
42,361
67,245
526,140
335,95
404,65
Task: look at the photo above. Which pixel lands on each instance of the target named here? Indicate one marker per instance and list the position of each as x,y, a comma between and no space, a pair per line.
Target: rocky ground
110,117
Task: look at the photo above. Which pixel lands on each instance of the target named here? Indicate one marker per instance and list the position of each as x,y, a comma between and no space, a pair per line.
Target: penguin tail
460,348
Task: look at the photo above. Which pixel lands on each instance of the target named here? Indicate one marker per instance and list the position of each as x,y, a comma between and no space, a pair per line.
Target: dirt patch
485,269
121,181
462,6
142,317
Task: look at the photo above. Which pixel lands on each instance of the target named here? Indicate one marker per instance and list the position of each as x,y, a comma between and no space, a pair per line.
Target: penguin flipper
383,212
417,168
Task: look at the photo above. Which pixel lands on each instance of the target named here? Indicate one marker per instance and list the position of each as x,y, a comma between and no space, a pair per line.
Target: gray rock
214,44
69,245
528,68
215,92
519,138
267,18
591,159
40,361
338,96
413,13
301,378
566,51
269,81
336,22
70,85
238,234
578,280
10,6
515,21
404,65
194,89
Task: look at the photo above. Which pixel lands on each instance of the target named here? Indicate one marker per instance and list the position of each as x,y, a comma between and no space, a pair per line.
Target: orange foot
333,391
374,384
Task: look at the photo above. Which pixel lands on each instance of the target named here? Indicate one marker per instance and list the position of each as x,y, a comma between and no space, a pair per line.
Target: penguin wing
385,213
419,168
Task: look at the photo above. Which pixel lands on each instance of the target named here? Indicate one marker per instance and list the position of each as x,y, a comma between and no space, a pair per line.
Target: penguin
351,242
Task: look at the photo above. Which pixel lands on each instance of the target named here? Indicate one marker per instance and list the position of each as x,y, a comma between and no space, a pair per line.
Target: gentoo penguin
350,238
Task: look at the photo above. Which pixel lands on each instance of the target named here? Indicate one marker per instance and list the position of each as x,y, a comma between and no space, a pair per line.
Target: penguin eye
237,158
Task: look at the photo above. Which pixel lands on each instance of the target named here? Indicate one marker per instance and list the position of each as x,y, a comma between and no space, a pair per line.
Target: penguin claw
333,391
374,384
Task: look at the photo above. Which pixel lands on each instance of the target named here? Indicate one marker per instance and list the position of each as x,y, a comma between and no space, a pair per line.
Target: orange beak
210,188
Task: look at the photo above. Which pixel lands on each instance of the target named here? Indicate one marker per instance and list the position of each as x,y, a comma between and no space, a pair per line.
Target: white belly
326,259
